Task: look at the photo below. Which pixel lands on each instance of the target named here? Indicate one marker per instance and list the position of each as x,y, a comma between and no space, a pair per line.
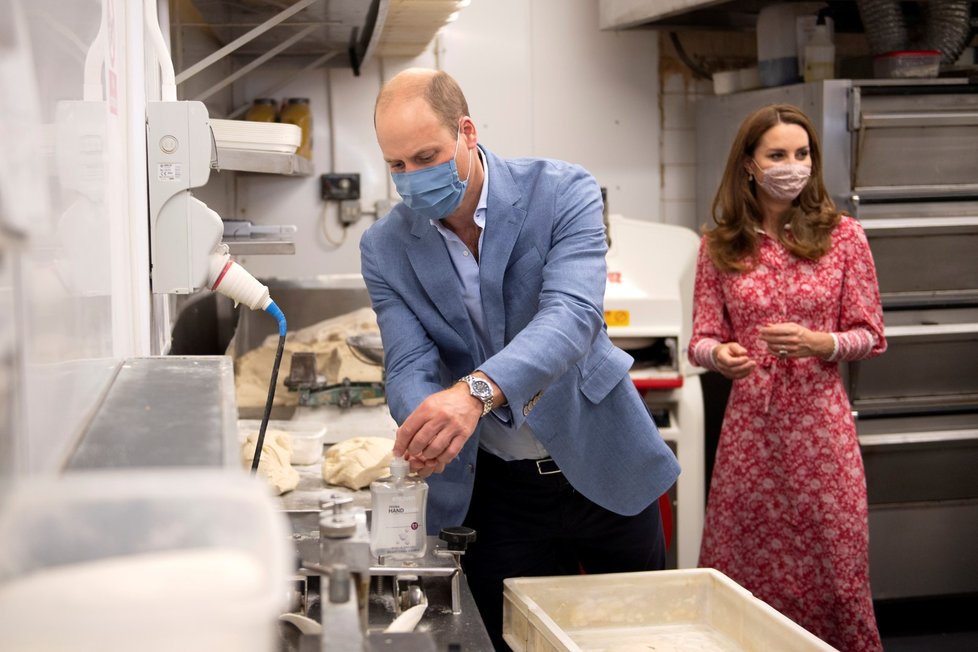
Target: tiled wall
680,88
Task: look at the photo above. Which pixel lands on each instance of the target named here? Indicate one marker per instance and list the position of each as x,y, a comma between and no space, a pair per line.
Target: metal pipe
884,25
242,40
947,28
244,70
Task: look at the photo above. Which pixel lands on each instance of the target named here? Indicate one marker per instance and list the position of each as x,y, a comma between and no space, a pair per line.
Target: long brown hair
736,212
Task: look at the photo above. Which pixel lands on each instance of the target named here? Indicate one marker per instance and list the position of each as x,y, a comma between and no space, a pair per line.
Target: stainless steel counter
167,411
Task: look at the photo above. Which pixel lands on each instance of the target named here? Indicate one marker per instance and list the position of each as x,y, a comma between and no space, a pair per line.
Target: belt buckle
549,464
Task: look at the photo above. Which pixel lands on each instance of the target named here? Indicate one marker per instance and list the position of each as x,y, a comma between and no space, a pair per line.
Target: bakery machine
347,600
902,157
313,388
648,310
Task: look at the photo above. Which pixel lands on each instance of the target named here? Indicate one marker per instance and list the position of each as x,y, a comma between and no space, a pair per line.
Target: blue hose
276,312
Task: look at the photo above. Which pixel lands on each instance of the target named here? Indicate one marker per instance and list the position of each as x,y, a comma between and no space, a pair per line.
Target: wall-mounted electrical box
340,186
183,230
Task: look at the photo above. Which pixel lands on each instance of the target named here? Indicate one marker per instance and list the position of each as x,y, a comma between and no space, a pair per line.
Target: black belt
545,466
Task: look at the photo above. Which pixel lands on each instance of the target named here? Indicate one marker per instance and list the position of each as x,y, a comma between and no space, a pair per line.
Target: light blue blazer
542,276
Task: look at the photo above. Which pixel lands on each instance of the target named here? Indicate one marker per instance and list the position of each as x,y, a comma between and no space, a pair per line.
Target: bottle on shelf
820,53
296,111
262,109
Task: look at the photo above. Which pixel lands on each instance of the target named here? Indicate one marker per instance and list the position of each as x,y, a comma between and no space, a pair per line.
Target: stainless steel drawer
914,145
927,258
932,356
920,549
922,457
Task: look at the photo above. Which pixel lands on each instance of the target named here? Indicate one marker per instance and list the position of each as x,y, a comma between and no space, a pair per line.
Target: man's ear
468,131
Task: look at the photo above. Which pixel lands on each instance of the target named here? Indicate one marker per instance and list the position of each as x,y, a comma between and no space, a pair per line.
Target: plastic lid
298,100
399,467
263,100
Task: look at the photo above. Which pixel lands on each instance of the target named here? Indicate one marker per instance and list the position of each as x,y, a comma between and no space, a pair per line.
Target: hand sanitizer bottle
397,522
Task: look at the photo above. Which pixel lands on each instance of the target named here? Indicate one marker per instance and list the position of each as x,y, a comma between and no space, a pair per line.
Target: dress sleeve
711,323
859,333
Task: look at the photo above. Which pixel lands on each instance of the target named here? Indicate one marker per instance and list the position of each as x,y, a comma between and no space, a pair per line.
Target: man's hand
733,360
436,431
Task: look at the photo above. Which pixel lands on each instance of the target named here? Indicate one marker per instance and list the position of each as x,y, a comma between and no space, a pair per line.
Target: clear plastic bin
697,609
907,64
151,560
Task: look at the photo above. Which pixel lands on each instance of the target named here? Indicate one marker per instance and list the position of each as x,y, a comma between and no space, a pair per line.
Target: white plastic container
307,446
697,609
194,560
777,44
307,437
819,55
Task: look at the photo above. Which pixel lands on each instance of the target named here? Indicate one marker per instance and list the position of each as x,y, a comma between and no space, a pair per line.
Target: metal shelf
258,244
242,160
312,32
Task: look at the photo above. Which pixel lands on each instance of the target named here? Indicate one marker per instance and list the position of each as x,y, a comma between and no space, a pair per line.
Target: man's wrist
481,390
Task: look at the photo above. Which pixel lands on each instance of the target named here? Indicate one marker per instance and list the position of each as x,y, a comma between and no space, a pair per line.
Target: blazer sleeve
570,312
411,360
711,322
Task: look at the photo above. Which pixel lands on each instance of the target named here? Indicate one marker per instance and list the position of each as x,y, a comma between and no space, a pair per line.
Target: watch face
481,388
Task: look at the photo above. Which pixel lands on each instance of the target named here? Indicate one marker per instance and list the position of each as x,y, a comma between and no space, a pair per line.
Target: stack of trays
256,136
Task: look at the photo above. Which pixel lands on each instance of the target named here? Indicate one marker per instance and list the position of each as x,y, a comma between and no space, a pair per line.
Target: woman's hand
790,340
732,360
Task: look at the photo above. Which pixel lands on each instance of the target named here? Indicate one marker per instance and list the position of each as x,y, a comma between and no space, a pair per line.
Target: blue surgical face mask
433,192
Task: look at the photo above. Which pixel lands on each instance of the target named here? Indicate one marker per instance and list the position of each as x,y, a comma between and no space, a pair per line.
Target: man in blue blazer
488,281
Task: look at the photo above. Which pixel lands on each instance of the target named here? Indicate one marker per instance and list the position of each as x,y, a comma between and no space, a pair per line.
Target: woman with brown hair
785,289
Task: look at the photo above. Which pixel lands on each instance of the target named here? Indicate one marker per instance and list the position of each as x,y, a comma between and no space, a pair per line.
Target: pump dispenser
820,53
397,523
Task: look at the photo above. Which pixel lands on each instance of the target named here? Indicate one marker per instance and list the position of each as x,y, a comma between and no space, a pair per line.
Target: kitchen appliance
902,157
648,310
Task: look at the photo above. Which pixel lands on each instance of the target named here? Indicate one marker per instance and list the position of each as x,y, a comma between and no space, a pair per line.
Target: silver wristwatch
481,390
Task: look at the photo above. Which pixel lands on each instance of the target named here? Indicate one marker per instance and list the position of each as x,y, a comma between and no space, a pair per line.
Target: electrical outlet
349,211
340,186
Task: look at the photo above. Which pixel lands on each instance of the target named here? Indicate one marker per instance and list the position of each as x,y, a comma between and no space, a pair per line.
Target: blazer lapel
504,221
436,272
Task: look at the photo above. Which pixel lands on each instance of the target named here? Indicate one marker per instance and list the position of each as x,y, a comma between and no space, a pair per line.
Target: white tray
256,136
694,610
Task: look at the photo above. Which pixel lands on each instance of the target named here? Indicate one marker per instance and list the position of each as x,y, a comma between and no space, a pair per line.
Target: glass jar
296,111
262,109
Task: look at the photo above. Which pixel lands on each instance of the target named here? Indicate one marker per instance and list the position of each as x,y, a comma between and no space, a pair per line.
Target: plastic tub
194,560
307,446
307,437
907,64
697,609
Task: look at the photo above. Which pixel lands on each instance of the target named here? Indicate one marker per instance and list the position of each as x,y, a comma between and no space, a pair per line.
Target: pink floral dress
787,516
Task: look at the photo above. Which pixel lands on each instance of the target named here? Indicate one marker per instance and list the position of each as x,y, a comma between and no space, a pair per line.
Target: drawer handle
932,437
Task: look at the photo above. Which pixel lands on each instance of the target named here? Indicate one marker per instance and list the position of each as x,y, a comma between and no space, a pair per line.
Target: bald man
488,281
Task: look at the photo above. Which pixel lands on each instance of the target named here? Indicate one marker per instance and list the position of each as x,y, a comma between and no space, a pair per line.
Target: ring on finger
783,353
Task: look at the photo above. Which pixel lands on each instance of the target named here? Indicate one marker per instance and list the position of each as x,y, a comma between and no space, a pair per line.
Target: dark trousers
529,524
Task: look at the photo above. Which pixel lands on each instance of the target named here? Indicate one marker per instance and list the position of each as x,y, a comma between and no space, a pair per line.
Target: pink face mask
784,181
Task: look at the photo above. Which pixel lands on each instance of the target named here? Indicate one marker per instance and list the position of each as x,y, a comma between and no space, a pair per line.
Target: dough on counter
275,464
356,462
